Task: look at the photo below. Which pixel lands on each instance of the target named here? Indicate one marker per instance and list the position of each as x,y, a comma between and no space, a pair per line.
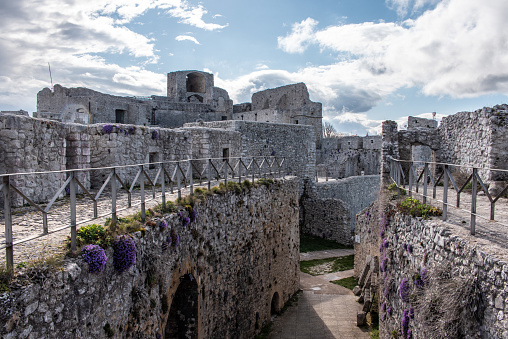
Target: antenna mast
49,66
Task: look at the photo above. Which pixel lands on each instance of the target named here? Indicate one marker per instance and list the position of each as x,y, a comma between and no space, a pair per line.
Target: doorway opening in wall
274,308
183,314
225,153
224,117
120,116
153,157
196,83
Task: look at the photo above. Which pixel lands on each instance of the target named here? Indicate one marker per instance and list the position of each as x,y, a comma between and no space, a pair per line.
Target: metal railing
175,174
405,172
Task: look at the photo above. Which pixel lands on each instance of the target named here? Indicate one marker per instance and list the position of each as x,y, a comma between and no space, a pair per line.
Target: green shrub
415,208
5,279
93,235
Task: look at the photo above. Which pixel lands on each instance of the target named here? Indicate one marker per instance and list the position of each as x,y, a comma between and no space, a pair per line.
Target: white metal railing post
445,192
410,188
209,174
425,174
9,252
179,179
113,198
191,179
163,186
473,201
72,191
142,189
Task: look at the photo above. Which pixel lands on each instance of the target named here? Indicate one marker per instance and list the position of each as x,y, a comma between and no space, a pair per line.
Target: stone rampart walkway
28,222
324,310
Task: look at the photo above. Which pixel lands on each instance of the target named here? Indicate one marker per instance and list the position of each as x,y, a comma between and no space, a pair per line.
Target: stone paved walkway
324,310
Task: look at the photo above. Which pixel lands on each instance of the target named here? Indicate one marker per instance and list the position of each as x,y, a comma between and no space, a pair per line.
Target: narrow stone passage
324,310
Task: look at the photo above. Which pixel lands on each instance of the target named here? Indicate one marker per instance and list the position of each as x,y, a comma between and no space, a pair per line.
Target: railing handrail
269,165
136,165
398,177
482,166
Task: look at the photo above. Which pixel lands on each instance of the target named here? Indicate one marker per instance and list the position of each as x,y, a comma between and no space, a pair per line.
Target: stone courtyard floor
323,310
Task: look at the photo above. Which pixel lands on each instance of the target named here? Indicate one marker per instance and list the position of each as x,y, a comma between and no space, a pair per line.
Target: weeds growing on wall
5,279
450,306
415,208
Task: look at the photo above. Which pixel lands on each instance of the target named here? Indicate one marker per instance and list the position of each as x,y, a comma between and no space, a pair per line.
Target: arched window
196,83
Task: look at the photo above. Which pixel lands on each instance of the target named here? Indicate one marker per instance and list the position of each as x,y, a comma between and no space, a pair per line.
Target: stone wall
294,142
415,246
237,263
32,145
329,209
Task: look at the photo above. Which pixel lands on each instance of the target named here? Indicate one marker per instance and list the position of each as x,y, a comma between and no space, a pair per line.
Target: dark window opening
372,141
120,116
152,157
196,83
224,117
225,153
255,117
296,122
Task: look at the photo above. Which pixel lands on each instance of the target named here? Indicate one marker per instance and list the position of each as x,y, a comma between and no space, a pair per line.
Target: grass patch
349,282
309,243
328,265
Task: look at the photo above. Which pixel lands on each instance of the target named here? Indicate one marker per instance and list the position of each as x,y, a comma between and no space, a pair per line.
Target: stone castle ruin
253,236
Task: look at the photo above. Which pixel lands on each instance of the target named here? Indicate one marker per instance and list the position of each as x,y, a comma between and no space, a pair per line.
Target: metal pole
191,179
239,170
209,173
179,179
425,173
142,187
410,188
473,201
163,187
72,191
9,253
226,172
113,198
445,192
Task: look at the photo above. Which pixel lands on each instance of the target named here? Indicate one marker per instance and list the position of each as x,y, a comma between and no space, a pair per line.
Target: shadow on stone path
324,310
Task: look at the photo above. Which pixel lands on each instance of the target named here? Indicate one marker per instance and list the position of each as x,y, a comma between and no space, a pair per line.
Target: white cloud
405,7
299,38
188,38
72,36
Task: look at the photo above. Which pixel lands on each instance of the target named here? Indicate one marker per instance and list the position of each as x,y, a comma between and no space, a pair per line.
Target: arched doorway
182,320
275,308
196,83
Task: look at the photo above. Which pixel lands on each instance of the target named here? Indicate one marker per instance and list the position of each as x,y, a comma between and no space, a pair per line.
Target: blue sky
365,60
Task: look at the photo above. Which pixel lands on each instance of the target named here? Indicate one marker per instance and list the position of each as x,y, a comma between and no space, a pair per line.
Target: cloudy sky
365,60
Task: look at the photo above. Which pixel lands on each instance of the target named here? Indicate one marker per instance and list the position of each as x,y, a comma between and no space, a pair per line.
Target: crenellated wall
236,264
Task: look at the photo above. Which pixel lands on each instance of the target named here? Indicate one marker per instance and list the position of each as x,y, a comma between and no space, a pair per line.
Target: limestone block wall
237,261
214,143
478,138
367,235
329,209
33,145
357,192
129,145
295,142
415,245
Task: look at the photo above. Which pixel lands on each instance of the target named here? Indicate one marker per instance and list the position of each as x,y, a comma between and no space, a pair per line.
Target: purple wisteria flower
96,258
124,255
132,130
404,290
107,128
167,244
163,225
193,215
175,238
155,134
185,220
404,323
383,265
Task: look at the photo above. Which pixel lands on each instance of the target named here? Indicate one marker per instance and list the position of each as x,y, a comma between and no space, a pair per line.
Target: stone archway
182,320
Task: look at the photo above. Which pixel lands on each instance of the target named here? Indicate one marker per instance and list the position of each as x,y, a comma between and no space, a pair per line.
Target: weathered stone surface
242,254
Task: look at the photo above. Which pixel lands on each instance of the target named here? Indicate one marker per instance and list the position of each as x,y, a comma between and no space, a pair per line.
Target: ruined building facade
191,96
